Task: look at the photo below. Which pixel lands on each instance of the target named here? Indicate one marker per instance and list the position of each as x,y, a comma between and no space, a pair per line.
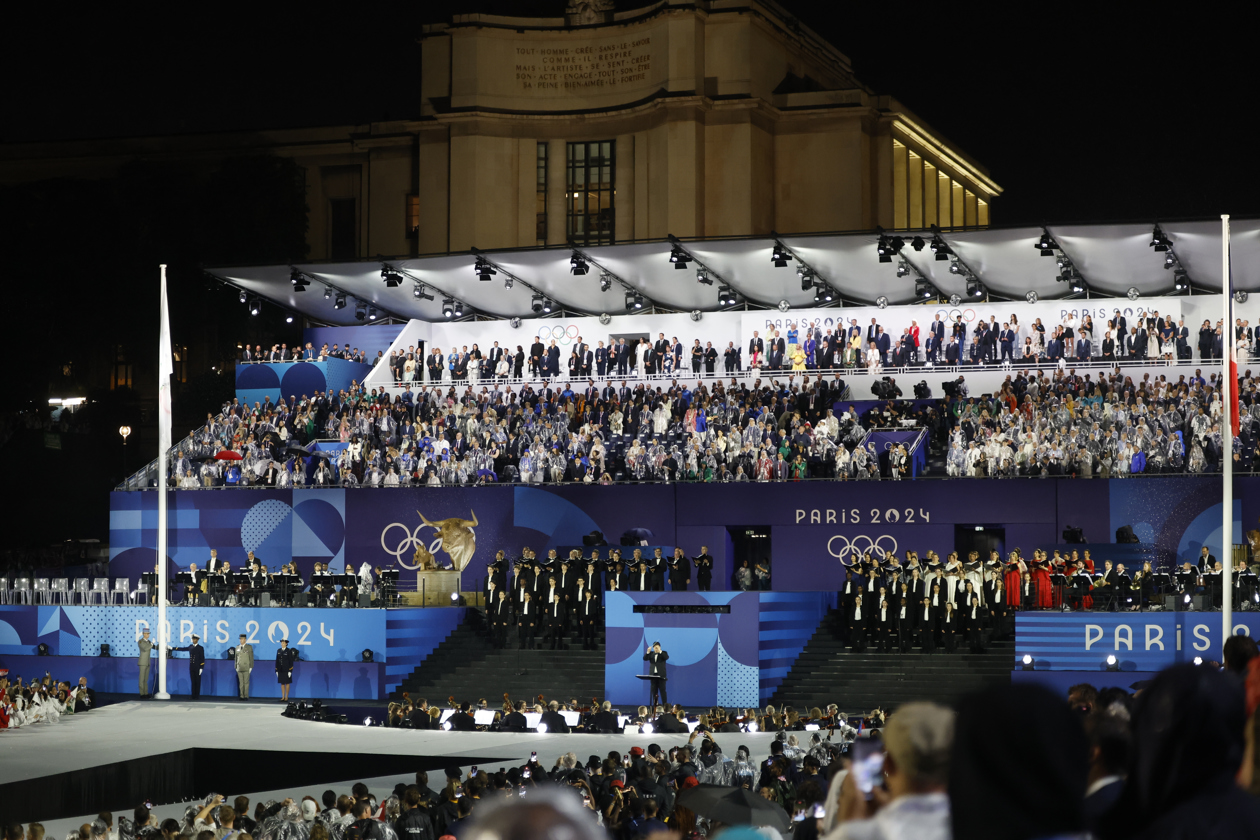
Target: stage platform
169,752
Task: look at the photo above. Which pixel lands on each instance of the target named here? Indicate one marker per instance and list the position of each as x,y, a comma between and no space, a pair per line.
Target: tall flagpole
1228,385
165,369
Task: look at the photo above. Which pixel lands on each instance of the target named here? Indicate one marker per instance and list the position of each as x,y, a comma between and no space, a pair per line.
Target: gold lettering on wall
588,67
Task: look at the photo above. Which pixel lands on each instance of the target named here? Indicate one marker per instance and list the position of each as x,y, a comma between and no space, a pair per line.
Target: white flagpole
1227,442
165,369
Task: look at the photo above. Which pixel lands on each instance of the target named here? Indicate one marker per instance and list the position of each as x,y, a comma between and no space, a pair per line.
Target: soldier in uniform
145,647
285,659
196,664
244,664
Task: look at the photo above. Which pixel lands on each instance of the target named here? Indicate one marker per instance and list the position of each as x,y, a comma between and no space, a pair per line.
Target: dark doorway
751,543
343,229
979,538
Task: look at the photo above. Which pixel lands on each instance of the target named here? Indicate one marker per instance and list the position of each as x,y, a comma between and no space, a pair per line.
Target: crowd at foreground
42,701
781,429
1175,759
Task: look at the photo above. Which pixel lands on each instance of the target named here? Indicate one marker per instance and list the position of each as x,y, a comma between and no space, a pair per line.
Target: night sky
1095,112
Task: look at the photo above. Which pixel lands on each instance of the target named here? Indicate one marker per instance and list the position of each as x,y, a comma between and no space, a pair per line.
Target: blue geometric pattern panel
256,383
413,634
788,621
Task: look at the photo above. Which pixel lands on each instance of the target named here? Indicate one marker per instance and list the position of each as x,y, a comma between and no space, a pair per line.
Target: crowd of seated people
1174,758
42,700
1108,426
307,353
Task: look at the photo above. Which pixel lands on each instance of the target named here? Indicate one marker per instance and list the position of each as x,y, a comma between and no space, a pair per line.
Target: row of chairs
49,591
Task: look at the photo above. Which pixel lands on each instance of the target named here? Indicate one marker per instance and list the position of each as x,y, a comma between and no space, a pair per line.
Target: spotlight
828,294
702,276
1063,261
1181,281
1133,293
367,721
230,653
1031,297
244,296
541,729
1159,241
299,280
1077,283
726,296
884,249
1046,245
459,309
448,307
360,311
679,257
1170,259
881,302
340,302
648,729
577,265
638,301
917,243
367,654
629,300
104,649
974,288
1028,662
605,281
446,727
420,293
547,305
752,726
507,281
939,248
806,277
955,268
391,277
288,319
922,289
1198,660
255,306
780,256
1187,600
903,270
1112,663
484,270
42,650
327,292
371,313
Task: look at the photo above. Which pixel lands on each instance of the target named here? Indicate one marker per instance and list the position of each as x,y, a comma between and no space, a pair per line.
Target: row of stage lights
888,248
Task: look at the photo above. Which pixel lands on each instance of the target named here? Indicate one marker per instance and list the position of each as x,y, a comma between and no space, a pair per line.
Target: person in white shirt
912,803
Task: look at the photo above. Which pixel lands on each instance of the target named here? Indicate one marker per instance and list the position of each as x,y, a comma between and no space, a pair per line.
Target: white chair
121,592
100,591
6,597
21,590
81,590
60,590
141,589
42,593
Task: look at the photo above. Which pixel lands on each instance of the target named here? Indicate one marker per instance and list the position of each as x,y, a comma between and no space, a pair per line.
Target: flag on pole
166,368
1230,332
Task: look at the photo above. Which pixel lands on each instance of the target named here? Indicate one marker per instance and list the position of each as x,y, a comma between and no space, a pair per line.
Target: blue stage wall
260,381
373,339
786,623
812,525
322,635
1141,641
411,635
121,675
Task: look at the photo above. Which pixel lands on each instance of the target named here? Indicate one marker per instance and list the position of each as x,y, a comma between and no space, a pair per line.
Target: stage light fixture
446,727
577,265
340,302
883,248
507,281
922,289
648,729
420,292
1159,241
974,288
299,280
448,307
725,295
367,721
780,255
629,300
817,295
679,257
327,292
42,650
483,269
1046,245
391,277
1077,284
541,729
255,306
372,313
903,270
917,243
703,278
828,294
230,653
1170,259
1181,280
288,319
547,305
459,309
244,296
955,268
1113,664
1198,660
939,248
360,310
638,301
104,649
367,655
605,281
1027,662
806,277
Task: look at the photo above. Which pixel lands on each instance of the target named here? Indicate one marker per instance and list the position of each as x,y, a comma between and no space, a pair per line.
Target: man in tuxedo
704,569
859,618
515,720
656,659
605,720
588,618
553,720
500,619
679,571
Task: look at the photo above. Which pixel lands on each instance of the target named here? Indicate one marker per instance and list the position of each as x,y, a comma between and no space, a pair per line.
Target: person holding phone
656,659
897,787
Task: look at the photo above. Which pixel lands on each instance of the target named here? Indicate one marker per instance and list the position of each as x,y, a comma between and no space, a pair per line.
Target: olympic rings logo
881,546
561,333
968,315
407,543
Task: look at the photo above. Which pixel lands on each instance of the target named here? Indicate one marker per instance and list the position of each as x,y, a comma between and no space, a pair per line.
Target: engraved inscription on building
590,67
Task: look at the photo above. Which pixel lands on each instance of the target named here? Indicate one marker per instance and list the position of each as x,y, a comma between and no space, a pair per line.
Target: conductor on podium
656,659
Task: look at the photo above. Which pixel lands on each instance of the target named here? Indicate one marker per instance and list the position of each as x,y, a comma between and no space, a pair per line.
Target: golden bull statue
459,541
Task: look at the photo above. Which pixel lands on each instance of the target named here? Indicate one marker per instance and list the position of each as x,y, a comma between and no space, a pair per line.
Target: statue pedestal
433,589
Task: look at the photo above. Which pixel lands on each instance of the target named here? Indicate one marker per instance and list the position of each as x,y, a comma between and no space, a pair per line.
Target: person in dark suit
952,351
527,622
1206,561
196,664
537,357
679,571
858,618
656,659
640,579
883,344
553,720
500,619
605,720
588,619
1109,743
601,360
672,720
883,626
286,658
555,622
756,347
704,569
462,721
1007,340
515,720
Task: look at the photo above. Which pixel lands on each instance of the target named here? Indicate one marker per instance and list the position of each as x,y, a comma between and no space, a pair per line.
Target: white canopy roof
1112,258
